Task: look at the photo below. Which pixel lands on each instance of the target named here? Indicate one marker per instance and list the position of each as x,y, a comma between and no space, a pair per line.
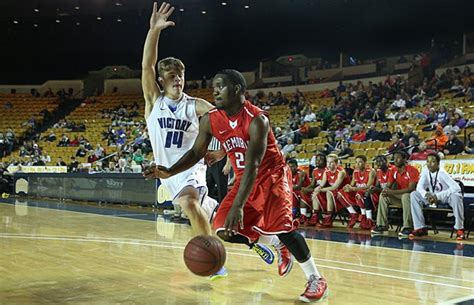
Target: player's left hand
214,156
156,171
234,221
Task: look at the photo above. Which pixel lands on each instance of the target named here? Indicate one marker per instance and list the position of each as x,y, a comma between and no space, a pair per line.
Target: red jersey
296,178
331,177
361,178
318,174
382,177
233,133
403,179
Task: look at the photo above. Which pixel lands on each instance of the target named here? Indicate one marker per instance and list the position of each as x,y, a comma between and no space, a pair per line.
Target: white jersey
173,131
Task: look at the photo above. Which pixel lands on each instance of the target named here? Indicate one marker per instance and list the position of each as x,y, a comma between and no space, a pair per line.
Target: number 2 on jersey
240,160
175,138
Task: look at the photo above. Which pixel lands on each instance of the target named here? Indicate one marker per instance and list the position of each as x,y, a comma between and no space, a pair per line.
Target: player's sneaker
460,234
314,220
264,252
219,274
379,230
418,233
316,289
303,219
405,232
285,259
327,222
353,220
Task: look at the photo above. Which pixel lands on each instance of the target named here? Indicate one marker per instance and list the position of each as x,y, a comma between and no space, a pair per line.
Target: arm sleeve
453,186
423,182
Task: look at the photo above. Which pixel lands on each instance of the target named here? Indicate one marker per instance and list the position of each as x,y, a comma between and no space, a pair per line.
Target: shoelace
312,284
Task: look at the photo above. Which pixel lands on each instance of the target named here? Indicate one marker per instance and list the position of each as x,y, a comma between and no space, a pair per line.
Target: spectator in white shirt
289,147
434,187
310,116
398,103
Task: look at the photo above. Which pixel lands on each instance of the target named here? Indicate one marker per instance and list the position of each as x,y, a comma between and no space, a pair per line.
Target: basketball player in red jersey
318,173
325,197
259,204
384,170
354,193
300,180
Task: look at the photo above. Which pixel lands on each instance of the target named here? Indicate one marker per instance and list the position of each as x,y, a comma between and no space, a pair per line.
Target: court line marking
146,242
235,253
315,240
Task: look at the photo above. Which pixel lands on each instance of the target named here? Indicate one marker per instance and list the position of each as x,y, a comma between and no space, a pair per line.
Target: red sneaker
369,224
285,260
353,220
327,222
316,289
418,233
363,222
303,220
460,234
314,220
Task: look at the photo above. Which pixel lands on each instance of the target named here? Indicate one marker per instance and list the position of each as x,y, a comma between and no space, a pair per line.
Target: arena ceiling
43,39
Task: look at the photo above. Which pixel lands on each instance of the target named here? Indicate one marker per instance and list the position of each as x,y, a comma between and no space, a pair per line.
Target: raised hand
159,17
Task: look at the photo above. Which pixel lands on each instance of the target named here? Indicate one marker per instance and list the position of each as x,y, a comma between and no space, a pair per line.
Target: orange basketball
204,255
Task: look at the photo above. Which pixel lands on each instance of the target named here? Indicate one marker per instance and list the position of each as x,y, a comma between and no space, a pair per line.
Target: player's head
229,88
432,162
361,161
332,161
171,76
399,158
293,164
321,160
381,162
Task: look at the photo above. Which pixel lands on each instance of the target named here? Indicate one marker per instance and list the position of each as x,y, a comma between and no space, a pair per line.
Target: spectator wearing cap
454,146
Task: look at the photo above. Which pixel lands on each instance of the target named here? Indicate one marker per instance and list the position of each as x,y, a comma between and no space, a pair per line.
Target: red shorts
268,208
346,199
299,197
323,203
375,199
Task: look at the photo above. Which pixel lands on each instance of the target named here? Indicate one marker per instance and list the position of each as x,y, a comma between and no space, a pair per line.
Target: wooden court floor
50,256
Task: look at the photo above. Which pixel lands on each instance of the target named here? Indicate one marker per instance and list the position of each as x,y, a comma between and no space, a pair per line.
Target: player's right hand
156,171
159,17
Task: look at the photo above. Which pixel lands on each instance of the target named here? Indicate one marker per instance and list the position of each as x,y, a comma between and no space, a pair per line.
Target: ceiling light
36,10
119,20
203,12
58,21
224,3
246,6
181,9
78,23
77,7
35,25
99,18
118,4
15,21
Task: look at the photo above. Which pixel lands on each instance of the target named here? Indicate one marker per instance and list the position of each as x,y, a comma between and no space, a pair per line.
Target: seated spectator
372,132
439,139
422,152
398,103
60,162
359,135
345,151
289,147
412,146
454,146
385,135
138,157
72,168
470,143
403,114
51,137
64,141
396,145
409,134
81,151
442,116
436,187
74,142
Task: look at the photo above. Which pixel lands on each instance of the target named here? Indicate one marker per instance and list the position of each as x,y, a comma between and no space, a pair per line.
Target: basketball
204,255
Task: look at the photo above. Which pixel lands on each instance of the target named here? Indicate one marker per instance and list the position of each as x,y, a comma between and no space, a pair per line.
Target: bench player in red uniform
300,179
353,194
325,197
259,204
318,173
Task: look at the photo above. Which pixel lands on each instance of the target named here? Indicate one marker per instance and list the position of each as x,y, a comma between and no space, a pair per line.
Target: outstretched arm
158,22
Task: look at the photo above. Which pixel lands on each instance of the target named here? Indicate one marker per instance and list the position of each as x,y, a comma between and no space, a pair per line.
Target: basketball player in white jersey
173,122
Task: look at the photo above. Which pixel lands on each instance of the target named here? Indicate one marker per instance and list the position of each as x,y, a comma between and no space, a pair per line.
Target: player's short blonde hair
169,63
333,156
